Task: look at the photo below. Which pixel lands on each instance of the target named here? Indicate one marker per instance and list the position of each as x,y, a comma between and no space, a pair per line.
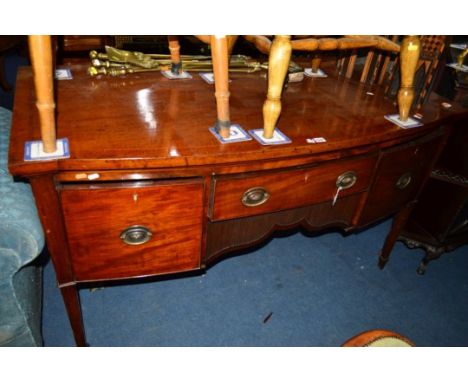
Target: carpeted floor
316,291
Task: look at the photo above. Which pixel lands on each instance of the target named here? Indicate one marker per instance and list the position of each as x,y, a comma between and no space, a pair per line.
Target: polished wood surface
95,217
410,161
142,118
228,235
289,189
142,155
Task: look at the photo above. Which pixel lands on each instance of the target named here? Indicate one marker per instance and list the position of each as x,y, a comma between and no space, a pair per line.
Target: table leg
71,299
48,205
278,63
399,222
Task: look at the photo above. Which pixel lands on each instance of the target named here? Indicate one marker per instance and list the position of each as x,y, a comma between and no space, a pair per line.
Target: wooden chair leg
316,61
174,48
278,64
220,57
409,57
41,59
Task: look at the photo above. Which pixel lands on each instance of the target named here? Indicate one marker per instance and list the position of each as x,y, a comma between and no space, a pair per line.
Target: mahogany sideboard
148,190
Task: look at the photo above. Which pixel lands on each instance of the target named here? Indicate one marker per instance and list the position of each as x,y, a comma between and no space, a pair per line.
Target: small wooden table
148,190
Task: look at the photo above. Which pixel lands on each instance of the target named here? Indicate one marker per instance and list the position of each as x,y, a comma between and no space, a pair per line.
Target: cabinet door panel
399,175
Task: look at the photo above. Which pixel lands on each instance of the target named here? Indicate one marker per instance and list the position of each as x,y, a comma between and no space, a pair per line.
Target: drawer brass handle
403,181
346,180
255,196
136,235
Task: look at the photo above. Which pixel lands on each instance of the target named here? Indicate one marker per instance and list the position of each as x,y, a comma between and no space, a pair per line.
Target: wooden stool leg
397,225
41,59
316,61
71,299
409,57
220,57
278,64
174,48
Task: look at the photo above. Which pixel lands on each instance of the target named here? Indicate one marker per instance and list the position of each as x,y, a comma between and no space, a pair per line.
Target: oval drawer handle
136,235
346,180
403,181
255,196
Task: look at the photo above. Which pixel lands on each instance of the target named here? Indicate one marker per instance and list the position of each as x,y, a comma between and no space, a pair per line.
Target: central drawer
133,229
236,197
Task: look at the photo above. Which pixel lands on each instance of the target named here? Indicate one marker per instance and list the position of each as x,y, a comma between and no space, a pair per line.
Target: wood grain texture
96,215
152,122
289,189
146,142
229,235
414,159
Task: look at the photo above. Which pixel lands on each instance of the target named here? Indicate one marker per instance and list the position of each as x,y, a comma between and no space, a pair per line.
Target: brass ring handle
346,180
255,196
136,235
403,181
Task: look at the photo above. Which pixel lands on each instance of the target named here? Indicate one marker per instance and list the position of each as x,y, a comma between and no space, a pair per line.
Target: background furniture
378,338
439,222
21,241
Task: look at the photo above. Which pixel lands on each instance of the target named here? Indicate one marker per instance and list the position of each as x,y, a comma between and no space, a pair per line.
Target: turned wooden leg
71,299
40,48
220,57
174,48
399,222
316,63
278,64
409,57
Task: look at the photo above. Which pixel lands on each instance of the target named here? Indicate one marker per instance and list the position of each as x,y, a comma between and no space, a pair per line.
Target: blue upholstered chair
21,241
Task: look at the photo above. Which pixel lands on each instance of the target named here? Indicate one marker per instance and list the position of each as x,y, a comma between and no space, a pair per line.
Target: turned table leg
220,57
278,64
174,48
399,222
409,57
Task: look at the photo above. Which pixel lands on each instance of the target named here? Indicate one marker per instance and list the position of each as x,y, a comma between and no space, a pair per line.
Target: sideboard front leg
48,205
220,57
409,57
399,222
278,64
71,299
